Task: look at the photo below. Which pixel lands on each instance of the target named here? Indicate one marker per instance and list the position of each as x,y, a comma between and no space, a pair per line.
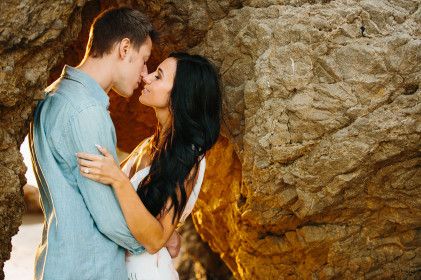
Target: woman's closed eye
159,73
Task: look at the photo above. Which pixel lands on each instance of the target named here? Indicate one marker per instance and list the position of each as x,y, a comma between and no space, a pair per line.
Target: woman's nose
147,78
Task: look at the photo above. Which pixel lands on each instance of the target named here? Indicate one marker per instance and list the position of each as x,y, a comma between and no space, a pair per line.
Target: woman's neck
164,124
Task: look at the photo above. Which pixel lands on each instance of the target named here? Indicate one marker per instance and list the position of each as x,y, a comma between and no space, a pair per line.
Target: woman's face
158,84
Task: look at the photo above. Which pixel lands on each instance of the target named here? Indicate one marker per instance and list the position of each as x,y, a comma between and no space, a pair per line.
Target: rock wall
323,106
320,174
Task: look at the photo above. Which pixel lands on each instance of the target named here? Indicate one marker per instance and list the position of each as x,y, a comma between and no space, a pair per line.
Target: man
85,234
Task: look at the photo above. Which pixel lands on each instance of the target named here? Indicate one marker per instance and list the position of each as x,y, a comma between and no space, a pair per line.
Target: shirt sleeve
87,128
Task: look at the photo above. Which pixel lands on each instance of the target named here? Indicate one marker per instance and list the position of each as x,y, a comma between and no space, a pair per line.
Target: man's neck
99,70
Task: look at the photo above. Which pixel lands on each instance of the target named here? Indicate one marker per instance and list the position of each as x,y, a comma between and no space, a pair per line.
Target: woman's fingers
94,175
86,163
87,170
103,150
91,157
88,175
98,167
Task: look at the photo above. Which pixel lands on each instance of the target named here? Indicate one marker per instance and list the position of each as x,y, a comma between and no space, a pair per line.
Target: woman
167,169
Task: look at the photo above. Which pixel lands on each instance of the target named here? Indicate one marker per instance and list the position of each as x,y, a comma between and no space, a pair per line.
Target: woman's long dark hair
195,108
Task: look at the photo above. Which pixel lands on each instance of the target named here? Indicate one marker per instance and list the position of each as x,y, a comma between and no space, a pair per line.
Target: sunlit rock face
323,106
319,176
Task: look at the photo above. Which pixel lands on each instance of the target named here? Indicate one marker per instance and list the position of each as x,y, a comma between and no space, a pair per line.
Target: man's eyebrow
160,70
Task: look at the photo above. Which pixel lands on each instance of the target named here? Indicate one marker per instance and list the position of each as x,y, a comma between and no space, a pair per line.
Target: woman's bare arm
151,232
148,230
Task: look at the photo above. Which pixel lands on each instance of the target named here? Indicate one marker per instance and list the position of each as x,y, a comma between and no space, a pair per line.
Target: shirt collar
86,80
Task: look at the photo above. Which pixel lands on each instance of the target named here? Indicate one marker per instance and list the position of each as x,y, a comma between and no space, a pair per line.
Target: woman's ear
123,48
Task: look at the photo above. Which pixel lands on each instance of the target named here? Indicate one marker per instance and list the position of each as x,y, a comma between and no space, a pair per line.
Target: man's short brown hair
112,26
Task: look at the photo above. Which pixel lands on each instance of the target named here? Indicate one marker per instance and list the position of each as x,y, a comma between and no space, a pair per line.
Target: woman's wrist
121,181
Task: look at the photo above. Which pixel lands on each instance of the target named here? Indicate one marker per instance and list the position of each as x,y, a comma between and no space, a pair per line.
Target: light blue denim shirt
84,233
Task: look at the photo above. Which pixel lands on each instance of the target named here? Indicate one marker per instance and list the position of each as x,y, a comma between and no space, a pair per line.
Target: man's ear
123,48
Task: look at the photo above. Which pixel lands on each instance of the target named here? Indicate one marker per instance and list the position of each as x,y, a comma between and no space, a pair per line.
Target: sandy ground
21,263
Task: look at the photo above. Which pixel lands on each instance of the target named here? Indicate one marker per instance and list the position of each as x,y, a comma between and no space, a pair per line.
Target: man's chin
123,93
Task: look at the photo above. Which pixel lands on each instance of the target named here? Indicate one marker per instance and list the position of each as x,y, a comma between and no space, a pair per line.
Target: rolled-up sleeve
88,127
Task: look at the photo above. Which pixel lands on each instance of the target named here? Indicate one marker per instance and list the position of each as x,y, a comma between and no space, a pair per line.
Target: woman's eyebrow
160,70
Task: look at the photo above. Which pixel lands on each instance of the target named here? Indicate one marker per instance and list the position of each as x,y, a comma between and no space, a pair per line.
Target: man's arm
89,127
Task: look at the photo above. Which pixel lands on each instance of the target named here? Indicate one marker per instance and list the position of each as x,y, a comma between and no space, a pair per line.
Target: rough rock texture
213,213
323,105
32,38
197,261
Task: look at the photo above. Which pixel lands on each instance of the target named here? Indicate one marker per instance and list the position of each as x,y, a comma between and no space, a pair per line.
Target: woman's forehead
168,66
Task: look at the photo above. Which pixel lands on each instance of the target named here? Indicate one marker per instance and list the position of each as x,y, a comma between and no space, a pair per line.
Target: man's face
132,69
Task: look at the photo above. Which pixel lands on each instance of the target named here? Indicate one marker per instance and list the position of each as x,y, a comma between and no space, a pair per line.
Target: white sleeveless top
158,266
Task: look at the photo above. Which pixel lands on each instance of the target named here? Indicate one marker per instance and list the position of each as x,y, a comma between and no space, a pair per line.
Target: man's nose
144,71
